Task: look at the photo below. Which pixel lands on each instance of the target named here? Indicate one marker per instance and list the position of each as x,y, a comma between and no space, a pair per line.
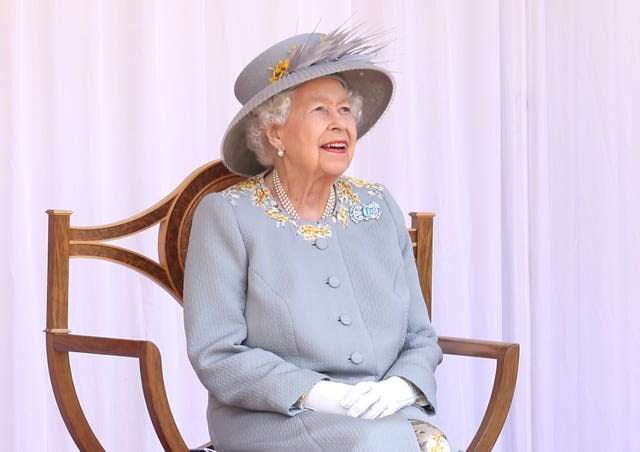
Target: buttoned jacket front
273,305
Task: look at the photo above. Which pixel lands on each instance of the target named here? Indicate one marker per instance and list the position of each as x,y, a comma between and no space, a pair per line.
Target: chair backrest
174,214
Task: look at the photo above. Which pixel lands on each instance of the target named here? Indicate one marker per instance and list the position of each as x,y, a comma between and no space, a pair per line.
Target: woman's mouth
337,147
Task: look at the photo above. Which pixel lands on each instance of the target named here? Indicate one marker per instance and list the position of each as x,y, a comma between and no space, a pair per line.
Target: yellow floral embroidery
249,184
313,232
260,196
274,212
373,189
345,192
343,216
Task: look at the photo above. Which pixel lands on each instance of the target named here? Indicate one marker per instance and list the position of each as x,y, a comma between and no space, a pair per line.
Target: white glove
325,396
371,400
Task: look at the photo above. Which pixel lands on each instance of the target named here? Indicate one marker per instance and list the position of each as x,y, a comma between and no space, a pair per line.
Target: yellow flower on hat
279,71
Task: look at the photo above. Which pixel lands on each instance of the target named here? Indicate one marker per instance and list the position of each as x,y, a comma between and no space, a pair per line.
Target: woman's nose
338,120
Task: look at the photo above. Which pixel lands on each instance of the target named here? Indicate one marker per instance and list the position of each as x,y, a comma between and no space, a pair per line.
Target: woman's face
319,135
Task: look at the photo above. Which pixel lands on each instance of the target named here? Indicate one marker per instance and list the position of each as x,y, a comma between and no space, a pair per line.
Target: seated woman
303,312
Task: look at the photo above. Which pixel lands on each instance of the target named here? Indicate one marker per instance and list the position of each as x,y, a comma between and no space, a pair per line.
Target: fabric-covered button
356,357
322,243
333,281
345,319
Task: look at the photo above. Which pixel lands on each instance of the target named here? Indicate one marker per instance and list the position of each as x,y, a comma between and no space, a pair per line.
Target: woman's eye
345,110
319,108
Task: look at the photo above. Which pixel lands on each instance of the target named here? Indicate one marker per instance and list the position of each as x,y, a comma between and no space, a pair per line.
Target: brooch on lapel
364,212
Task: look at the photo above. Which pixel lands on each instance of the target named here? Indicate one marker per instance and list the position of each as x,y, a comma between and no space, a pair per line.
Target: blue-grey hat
297,60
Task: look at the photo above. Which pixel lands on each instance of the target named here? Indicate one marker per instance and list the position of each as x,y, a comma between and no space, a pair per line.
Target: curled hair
274,111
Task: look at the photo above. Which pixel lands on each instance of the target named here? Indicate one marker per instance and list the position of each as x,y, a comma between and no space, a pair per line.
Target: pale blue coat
273,306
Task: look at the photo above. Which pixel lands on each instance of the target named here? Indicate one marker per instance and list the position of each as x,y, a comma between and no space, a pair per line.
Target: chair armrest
507,356
60,344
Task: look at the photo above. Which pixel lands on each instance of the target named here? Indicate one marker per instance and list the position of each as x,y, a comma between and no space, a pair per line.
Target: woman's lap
239,430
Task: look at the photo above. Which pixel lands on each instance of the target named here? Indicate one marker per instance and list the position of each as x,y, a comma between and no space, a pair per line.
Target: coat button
333,281
322,243
345,319
356,357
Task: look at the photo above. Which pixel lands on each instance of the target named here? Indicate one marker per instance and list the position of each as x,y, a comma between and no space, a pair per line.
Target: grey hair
274,111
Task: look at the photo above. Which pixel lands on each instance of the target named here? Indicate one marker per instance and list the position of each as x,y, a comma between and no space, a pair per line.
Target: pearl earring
281,152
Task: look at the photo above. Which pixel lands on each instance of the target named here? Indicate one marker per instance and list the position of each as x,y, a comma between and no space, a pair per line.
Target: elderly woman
303,312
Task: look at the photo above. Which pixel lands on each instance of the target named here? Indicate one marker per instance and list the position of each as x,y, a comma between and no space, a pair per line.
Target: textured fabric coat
273,305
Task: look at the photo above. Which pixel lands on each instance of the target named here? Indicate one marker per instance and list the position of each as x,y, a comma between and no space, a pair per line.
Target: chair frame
174,214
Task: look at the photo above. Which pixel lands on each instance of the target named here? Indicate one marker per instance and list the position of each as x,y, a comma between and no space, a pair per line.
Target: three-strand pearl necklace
286,202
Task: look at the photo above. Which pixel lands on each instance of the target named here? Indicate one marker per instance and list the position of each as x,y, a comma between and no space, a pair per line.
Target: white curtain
516,121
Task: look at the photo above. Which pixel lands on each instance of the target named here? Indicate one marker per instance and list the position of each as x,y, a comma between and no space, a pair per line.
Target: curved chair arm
504,384
60,344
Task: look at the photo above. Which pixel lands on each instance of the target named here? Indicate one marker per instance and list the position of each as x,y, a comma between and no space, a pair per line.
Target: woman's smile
336,147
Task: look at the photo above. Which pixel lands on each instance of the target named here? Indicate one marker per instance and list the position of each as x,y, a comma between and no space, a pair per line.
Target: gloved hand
325,396
371,400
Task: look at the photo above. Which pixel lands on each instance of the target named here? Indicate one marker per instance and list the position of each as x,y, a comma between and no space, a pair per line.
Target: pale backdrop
516,121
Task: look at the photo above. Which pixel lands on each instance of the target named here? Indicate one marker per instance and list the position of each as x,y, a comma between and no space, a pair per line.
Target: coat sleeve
420,353
215,288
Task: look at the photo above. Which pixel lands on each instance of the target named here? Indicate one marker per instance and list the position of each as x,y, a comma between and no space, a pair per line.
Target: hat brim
374,84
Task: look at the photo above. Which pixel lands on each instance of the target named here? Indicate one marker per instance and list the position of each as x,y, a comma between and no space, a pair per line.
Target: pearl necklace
286,203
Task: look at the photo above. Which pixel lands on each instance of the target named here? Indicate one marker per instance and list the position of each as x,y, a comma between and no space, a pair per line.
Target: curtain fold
515,121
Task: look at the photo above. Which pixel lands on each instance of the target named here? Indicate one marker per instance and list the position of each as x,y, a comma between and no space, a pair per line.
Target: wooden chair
174,214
